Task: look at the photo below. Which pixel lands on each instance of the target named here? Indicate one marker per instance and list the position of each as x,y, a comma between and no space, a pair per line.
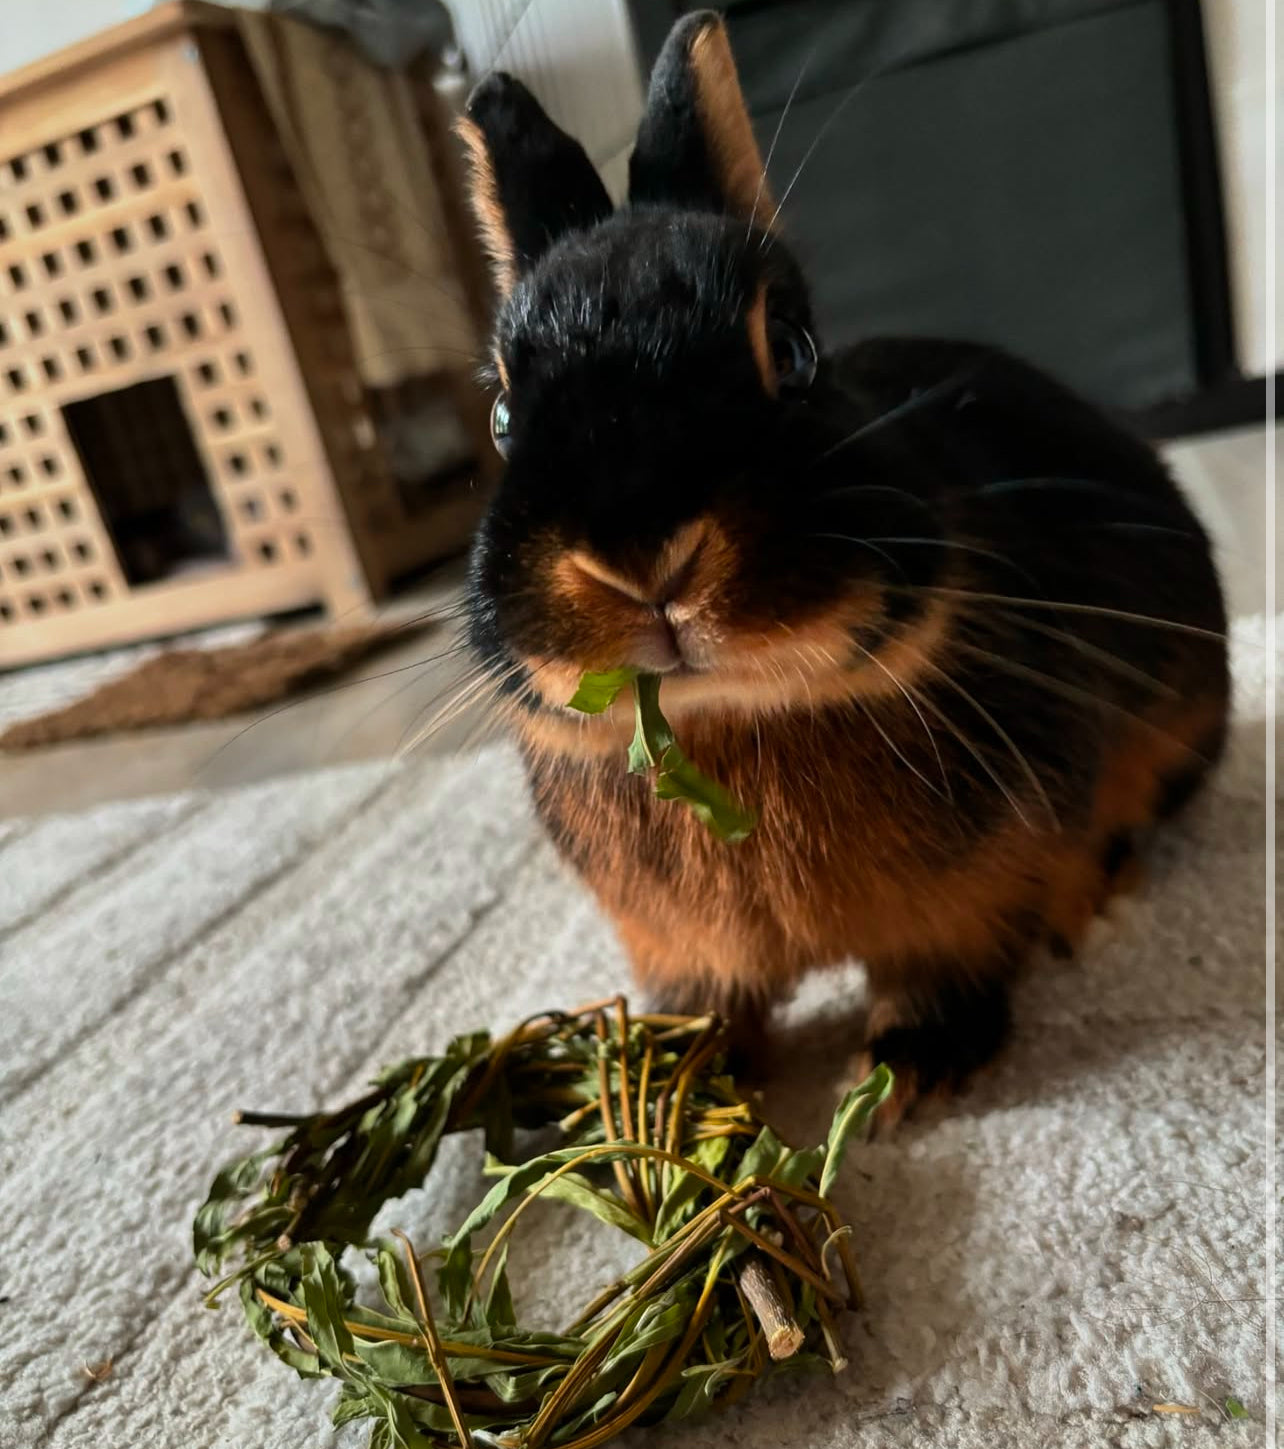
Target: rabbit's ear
531,182
696,146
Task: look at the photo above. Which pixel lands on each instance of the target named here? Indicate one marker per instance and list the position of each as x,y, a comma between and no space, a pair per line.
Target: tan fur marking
756,318
838,867
667,574
1077,890
727,129
586,563
1124,802
1129,786
678,554
484,196
789,672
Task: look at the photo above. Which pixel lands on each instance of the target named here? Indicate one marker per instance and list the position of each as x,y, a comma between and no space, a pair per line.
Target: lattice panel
111,273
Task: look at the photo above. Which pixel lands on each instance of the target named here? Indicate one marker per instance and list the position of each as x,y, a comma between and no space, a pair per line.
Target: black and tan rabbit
955,634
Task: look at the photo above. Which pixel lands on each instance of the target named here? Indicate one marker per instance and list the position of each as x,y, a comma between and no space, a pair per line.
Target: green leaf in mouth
654,748
598,692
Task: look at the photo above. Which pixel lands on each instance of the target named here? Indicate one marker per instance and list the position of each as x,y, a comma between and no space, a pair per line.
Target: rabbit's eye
794,354
499,426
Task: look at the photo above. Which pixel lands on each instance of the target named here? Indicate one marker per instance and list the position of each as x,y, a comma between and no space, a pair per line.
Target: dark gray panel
880,34
841,41
1024,192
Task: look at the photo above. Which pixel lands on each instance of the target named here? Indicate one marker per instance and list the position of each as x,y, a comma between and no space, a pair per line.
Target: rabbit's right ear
531,182
696,146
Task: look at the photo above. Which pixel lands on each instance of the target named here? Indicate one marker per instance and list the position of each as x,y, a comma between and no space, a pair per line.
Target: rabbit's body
955,635
883,836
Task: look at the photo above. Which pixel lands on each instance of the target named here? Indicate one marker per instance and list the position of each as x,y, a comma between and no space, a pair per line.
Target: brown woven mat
182,685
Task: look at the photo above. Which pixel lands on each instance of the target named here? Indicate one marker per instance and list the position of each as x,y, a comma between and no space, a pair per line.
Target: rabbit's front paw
932,1048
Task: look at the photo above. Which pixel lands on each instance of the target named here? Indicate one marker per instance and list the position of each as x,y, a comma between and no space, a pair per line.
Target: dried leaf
761,1158
326,1305
499,1311
577,1190
353,1404
654,1324
264,1324
212,1237
853,1113
393,1282
700,1386
683,1196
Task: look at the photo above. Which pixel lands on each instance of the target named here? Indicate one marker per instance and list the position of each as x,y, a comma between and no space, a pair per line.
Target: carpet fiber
1078,1240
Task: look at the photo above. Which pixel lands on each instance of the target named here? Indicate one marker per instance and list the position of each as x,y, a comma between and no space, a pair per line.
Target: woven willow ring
747,1263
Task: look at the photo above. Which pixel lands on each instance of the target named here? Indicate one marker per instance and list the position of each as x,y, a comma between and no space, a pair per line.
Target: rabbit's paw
932,1047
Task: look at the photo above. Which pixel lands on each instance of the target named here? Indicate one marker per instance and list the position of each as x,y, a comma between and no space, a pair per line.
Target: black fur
670,164
1086,599
546,183
964,1029
635,407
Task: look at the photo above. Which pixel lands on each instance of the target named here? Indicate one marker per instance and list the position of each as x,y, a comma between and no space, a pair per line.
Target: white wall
1249,110
33,30
576,55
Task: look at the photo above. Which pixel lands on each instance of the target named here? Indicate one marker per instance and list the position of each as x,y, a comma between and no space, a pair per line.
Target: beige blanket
360,154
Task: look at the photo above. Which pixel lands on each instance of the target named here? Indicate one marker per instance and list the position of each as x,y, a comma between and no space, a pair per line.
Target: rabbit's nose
634,610
657,584
655,647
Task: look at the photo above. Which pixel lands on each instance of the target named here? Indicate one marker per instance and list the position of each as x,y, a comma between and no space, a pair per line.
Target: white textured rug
1078,1240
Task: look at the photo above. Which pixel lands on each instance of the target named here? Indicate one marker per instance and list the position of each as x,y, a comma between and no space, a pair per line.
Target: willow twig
436,1355
783,1335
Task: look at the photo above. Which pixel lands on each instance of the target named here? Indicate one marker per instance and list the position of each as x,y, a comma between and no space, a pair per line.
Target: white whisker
953,543
862,543
807,155
1026,767
940,764
911,404
771,150
1091,651
1072,692
1099,610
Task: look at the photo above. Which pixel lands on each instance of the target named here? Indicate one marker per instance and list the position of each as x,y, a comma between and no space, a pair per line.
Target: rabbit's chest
847,848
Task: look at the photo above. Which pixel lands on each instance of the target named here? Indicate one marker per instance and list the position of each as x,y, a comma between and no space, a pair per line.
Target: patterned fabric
354,138
389,32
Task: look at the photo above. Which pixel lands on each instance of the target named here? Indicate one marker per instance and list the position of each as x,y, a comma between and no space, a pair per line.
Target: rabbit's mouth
695,610
755,675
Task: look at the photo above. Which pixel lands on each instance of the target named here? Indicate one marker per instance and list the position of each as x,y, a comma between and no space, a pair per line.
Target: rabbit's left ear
696,146
531,182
